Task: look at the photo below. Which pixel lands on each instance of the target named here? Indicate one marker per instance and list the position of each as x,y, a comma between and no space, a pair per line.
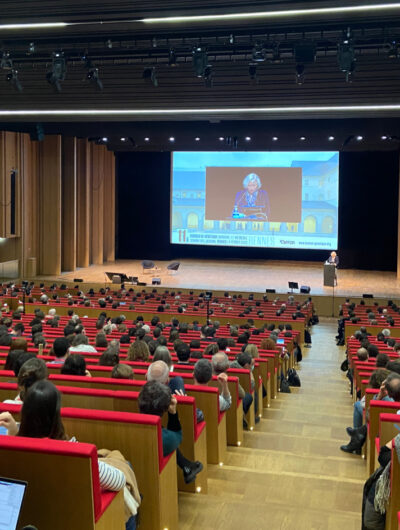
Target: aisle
290,474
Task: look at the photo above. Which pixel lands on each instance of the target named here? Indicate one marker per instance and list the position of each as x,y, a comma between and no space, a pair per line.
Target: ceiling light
37,25
31,48
275,14
331,138
12,77
302,138
147,139
171,139
149,76
359,138
109,44
124,139
384,137
310,109
274,138
104,139
197,139
248,138
58,71
221,138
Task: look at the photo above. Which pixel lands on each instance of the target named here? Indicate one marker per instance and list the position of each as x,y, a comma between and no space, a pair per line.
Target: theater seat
60,476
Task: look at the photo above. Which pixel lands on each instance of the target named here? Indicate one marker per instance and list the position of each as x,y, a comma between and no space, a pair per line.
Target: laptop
280,341
11,497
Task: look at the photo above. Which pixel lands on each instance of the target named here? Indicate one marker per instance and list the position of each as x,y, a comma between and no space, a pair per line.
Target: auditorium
199,265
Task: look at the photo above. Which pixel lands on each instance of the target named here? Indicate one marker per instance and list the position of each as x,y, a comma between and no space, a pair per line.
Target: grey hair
219,362
386,332
158,371
251,177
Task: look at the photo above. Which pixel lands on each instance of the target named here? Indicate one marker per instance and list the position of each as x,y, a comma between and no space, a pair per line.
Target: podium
329,274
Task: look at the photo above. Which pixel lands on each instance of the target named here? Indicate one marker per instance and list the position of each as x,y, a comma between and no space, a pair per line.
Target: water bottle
235,213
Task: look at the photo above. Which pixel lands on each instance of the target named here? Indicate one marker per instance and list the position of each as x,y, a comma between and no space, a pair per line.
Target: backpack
298,354
293,377
307,337
284,386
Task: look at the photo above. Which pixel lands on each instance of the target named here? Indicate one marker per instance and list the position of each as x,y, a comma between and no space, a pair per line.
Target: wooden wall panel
83,203
69,170
29,169
9,161
97,207
50,205
109,206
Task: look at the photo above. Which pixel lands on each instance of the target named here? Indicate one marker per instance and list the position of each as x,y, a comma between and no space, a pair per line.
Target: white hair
158,371
251,177
386,332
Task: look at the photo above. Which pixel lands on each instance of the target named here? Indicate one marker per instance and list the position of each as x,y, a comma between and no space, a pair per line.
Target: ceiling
116,41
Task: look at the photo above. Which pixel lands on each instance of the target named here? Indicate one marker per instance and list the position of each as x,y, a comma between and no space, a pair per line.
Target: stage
247,276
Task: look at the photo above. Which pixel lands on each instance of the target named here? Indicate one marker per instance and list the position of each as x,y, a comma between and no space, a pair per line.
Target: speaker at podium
329,274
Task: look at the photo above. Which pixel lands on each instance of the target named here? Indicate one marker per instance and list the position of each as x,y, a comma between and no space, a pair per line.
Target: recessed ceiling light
274,138
124,139
359,138
331,138
248,138
221,138
197,139
384,137
302,138
147,139
171,139
104,139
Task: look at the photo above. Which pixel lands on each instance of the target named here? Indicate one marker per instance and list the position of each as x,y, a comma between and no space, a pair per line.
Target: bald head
392,384
158,371
219,362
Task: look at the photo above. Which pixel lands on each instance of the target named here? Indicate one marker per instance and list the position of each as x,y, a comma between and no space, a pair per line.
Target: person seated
162,354
75,365
122,371
32,370
183,353
159,371
246,362
80,343
138,350
156,398
60,350
203,373
109,357
41,418
388,391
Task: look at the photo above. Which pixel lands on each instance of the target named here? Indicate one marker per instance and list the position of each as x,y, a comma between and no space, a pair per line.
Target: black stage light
259,52
299,77
253,71
58,71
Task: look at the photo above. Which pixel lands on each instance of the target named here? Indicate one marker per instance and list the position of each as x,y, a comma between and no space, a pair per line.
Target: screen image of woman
251,202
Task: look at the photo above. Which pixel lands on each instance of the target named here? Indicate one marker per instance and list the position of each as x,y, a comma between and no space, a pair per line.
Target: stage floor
249,276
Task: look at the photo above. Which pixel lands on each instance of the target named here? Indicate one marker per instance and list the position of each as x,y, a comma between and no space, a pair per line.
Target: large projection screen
255,199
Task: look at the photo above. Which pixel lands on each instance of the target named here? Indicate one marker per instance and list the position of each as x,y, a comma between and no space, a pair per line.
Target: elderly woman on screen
252,201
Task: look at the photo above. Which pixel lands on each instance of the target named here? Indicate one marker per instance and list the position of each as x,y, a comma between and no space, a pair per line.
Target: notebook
11,497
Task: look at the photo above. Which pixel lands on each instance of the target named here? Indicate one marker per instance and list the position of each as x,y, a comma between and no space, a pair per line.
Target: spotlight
197,139
200,60
221,138
150,77
231,38
92,74
208,76
393,50
147,139
302,138
384,137
274,138
359,138
154,42
124,139
258,52
58,71
109,44
104,139
346,56
253,72
12,77
299,78
6,61
276,54
331,138
172,58
171,139
248,138
31,48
